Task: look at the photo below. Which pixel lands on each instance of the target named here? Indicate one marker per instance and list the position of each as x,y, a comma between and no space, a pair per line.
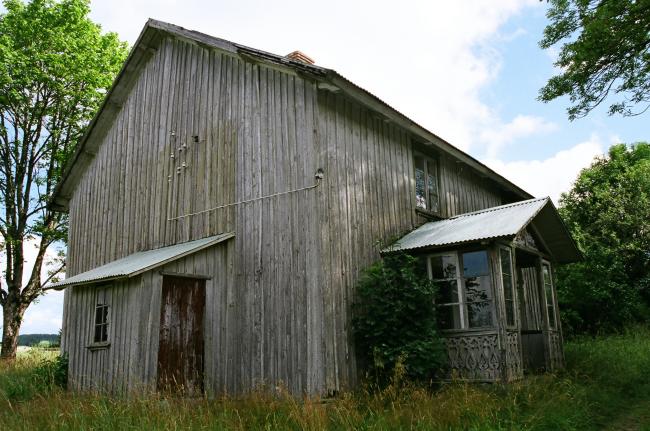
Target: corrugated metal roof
496,222
140,262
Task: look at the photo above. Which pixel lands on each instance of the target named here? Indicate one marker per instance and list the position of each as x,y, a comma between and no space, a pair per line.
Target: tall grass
605,385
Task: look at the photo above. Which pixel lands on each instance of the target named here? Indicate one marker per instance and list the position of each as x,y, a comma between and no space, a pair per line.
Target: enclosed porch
497,303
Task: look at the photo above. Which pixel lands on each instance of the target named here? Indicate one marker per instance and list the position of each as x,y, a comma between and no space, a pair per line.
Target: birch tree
55,67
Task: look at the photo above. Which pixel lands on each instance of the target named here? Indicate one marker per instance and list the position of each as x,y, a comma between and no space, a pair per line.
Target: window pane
507,288
551,316
506,262
510,312
432,185
479,314
98,314
420,192
449,317
101,323
448,292
475,264
443,267
98,334
478,289
547,275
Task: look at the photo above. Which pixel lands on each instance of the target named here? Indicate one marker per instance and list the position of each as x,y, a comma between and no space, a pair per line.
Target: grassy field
606,386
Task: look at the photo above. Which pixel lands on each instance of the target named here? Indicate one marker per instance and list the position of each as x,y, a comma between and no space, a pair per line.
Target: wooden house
224,201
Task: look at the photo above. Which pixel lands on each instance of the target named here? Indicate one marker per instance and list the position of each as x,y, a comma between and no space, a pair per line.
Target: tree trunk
12,317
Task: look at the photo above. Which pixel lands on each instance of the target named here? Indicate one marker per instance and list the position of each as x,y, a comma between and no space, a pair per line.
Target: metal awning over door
138,263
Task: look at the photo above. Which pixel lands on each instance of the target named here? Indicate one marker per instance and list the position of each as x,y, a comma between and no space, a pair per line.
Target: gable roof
155,31
504,221
138,263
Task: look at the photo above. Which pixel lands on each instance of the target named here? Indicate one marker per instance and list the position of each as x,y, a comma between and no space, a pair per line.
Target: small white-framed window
101,316
465,289
548,290
427,195
101,323
507,281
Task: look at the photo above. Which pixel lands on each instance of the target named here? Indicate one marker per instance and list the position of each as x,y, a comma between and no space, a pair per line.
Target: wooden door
180,350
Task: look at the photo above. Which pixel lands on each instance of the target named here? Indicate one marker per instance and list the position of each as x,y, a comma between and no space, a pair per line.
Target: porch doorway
533,344
181,345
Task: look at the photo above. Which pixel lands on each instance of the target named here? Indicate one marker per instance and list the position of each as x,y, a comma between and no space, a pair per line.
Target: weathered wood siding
130,362
254,127
134,185
368,199
462,190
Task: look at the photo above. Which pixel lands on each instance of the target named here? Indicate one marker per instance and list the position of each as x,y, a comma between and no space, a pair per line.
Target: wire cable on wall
319,177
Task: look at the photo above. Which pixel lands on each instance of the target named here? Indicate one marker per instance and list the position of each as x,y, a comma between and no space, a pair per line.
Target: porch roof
143,261
504,221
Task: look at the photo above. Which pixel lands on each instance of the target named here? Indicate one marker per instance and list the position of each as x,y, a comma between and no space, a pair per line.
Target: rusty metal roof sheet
498,222
140,262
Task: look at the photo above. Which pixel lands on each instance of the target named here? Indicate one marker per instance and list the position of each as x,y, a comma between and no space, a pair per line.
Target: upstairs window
548,289
101,324
426,183
465,289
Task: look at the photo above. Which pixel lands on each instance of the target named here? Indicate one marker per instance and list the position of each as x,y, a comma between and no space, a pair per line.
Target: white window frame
100,302
459,286
512,285
462,294
552,323
434,161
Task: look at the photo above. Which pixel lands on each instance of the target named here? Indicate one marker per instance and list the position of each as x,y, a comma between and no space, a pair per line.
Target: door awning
143,261
504,221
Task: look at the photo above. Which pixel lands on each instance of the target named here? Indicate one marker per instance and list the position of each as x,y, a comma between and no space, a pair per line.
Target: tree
55,68
608,213
605,52
394,320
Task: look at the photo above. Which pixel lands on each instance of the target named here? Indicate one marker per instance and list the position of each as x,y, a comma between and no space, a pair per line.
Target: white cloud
429,60
45,315
521,126
552,176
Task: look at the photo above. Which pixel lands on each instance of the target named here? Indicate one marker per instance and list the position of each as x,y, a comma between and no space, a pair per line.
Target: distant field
605,386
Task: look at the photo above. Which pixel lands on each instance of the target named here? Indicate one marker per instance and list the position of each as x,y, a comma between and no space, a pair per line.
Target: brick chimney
301,57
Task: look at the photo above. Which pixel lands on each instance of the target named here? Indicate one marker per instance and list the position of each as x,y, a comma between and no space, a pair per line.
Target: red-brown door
180,351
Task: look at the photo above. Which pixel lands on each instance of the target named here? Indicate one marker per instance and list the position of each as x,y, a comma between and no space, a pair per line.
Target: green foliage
394,320
608,213
605,51
55,69
605,386
33,339
34,373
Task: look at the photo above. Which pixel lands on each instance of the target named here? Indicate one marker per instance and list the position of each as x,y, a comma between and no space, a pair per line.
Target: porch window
548,289
445,272
465,295
508,287
478,288
426,183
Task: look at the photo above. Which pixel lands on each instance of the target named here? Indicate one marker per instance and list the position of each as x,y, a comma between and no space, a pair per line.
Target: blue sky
469,71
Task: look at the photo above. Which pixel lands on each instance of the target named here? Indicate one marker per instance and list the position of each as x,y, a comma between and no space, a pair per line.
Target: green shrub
53,372
394,320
